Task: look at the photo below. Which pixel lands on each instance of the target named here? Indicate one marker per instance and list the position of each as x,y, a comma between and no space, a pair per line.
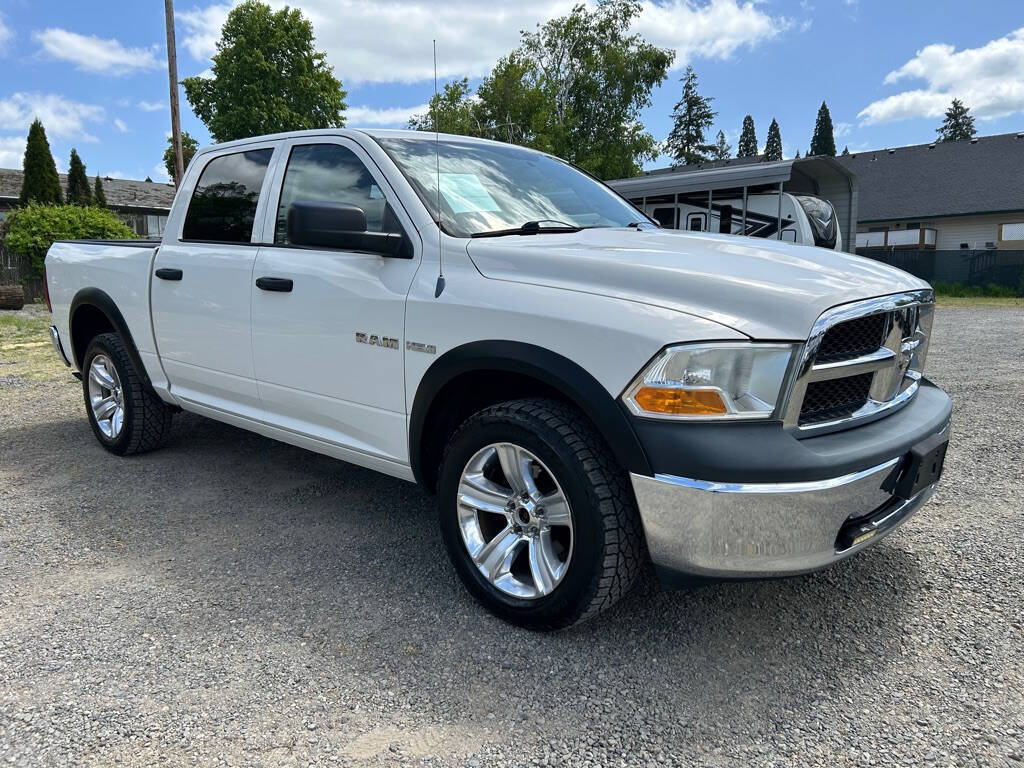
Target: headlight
711,381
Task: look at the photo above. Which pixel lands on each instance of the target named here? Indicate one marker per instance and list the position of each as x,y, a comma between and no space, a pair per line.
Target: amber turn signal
680,402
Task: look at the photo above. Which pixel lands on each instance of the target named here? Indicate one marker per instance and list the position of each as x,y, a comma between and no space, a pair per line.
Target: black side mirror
323,224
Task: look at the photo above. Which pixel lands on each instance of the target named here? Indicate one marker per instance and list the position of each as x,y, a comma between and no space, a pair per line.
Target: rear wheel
539,521
126,416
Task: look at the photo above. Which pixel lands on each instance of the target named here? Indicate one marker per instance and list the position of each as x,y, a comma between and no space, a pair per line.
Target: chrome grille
834,398
853,338
860,361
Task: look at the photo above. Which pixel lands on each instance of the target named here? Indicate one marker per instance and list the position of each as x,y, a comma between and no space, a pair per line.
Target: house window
1012,231
913,225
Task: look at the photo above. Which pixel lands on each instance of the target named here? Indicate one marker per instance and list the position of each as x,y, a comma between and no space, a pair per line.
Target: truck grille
835,398
860,360
854,338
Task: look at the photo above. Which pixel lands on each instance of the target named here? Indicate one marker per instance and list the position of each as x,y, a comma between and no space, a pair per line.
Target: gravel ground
231,600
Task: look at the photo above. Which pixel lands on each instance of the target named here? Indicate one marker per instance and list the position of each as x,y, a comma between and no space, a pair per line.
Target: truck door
329,341
200,287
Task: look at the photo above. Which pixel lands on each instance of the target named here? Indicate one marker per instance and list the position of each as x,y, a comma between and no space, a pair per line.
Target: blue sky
95,71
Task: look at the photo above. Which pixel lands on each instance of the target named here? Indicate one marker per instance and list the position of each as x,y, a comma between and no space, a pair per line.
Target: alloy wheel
106,397
515,521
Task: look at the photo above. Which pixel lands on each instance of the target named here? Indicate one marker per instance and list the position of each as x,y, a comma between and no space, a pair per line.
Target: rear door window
223,205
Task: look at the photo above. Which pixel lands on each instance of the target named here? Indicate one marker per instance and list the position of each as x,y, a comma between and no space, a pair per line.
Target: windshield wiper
531,228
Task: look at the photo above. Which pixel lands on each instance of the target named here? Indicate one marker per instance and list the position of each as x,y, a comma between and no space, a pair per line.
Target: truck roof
372,132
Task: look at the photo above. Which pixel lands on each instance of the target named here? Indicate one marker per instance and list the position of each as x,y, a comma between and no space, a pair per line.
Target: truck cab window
331,173
223,206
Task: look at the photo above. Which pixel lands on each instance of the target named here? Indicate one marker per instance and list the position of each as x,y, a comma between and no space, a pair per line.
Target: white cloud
715,30
94,54
988,79
370,42
151,106
115,175
394,116
62,117
6,35
121,125
841,129
159,174
12,151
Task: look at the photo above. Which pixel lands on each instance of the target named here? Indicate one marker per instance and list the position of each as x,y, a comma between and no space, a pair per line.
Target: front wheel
126,416
539,520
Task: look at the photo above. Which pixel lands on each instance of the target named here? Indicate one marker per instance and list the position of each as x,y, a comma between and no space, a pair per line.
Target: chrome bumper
712,530
58,347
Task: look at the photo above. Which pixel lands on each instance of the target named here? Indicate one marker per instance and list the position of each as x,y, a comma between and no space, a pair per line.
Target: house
142,205
948,195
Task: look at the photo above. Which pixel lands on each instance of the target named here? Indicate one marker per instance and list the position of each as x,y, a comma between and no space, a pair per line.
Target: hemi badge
415,346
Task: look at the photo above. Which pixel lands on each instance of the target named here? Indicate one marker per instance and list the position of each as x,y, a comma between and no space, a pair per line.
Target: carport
823,177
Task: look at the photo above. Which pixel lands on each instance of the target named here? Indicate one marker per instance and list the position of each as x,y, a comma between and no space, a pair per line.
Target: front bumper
708,530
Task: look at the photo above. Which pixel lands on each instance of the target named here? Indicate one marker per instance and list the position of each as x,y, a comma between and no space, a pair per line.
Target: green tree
823,142
748,139
692,116
78,183
31,230
958,123
40,183
266,77
511,105
455,111
722,149
797,155
846,150
99,197
188,150
773,145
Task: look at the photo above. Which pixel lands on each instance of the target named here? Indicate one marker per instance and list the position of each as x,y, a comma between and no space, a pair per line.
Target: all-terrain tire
147,418
609,551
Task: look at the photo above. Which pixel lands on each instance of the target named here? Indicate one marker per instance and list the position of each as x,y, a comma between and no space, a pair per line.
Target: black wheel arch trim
100,300
580,387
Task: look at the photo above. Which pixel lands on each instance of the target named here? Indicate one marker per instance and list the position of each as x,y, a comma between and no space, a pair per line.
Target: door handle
168,274
282,284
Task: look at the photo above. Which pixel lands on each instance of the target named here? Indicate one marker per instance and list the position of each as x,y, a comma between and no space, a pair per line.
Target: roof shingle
126,194
946,178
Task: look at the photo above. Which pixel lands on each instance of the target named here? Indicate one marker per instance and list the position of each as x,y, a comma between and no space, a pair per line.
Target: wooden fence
18,270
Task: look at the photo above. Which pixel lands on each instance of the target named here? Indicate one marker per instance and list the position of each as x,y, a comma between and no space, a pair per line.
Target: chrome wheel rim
106,397
515,521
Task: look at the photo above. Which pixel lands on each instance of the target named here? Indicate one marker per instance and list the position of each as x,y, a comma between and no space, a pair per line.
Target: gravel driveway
232,600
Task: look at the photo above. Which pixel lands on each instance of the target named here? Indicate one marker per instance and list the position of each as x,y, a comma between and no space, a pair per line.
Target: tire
564,454
145,420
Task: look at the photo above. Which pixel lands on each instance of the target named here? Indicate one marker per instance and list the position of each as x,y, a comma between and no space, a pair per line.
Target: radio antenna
437,156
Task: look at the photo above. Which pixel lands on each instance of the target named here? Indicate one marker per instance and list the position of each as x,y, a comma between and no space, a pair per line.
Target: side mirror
323,224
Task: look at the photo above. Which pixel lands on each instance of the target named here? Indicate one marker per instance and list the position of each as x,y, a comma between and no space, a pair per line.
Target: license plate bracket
923,466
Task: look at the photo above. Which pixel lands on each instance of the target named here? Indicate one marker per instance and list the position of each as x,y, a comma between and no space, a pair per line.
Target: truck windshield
503,189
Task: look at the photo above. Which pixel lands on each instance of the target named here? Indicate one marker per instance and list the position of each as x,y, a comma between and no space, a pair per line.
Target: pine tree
693,115
958,123
748,139
78,183
41,183
846,150
797,155
148,180
722,149
773,146
823,143
98,195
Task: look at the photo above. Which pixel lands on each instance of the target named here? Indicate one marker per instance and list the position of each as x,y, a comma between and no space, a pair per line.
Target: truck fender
94,297
546,367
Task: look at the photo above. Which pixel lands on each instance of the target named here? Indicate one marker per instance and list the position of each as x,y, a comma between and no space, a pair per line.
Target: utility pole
172,74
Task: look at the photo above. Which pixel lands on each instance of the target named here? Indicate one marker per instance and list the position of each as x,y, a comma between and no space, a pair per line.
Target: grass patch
979,301
26,351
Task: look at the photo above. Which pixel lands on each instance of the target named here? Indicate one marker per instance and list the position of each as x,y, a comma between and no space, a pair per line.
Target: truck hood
765,289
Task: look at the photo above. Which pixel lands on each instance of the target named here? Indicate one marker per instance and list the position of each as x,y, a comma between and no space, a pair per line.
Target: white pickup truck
585,392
